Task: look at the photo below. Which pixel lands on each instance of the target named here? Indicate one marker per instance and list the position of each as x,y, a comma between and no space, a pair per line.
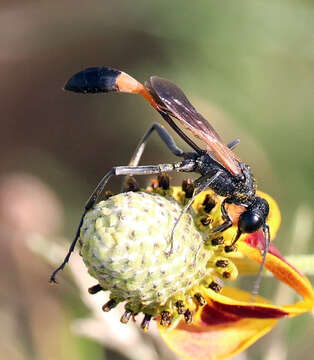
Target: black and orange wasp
219,168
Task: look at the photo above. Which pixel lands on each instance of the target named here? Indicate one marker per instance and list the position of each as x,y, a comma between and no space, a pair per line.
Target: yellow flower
123,242
232,321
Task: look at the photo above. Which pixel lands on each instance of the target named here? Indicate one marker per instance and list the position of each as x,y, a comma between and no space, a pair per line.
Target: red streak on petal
250,311
257,240
213,316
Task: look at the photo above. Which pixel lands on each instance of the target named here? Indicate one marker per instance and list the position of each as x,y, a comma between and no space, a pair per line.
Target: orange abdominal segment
126,83
234,211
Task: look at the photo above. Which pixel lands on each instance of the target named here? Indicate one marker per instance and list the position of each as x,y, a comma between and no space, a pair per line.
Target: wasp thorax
125,244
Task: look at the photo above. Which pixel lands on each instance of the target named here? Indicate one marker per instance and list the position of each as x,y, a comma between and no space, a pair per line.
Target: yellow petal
217,342
216,334
274,217
281,269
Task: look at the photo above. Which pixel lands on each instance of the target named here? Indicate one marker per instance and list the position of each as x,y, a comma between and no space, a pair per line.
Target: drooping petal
216,342
224,327
252,245
242,304
276,263
227,325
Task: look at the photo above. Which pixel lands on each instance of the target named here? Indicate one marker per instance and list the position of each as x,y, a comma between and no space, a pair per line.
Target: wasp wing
171,99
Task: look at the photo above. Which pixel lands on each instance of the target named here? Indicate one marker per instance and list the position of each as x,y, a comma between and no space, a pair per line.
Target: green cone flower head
125,243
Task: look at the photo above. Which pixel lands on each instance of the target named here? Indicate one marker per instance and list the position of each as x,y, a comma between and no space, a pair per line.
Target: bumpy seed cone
124,243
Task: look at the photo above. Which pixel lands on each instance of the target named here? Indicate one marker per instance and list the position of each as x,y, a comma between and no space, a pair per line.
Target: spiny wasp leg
164,135
227,223
71,249
204,184
186,165
233,143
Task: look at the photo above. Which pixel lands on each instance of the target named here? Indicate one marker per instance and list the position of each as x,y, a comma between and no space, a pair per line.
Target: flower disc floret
125,242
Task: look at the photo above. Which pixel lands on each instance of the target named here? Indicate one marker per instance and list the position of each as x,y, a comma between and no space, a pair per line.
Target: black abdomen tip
93,80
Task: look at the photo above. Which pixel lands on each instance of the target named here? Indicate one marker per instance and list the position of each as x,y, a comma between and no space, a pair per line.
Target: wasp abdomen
93,80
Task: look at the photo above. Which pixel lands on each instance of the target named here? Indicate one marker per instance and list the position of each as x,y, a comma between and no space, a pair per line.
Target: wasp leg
164,135
186,165
228,222
233,143
258,279
203,185
175,127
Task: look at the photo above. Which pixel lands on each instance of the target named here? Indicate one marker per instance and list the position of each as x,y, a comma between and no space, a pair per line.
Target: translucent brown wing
172,100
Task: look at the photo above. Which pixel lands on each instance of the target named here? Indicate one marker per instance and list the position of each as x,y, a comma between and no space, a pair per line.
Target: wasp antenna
104,79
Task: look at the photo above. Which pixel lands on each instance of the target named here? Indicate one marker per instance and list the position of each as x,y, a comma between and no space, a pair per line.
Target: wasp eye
250,222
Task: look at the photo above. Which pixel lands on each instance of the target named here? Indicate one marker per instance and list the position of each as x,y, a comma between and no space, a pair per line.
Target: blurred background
248,67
